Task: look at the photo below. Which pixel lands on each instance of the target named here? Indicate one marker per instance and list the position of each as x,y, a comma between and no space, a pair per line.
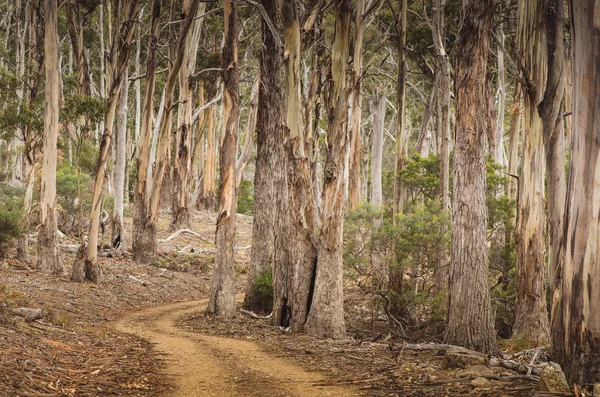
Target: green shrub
245,199
261,295
11,216
68,187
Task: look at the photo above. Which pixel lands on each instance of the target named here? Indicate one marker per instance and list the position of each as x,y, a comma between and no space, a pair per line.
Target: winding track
203,365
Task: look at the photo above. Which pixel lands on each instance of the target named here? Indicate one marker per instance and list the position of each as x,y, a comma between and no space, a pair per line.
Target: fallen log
28,314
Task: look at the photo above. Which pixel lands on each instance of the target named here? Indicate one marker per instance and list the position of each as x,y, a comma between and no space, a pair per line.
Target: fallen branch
137,280
180,232
510,378
520,367
254,315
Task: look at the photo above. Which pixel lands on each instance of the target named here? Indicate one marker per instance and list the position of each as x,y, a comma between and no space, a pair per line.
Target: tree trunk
326,316
208,186
270,226
551,110
531,313
470,315
513,144
576,320
143,248
183,138
145,229
222,291
443,63
118,238
378,108
400,150
246,151
88,268
354,173
48,256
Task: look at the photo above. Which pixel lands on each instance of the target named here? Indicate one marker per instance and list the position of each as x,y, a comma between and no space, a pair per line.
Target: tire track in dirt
204,365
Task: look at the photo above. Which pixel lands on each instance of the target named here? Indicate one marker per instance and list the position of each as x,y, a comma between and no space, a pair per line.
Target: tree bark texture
326,315
48,256
143,248
470,315
551,109
354,164
183,138
531,313
379,267
299,274
118,230
576,330
222,292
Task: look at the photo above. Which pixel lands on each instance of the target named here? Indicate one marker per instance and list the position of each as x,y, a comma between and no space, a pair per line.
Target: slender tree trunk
551,110
326,315
144,248
48,256
401,118
576,330
378,108
88,268
531,313
354,173
516,117
246,151
208,185
118,230
183,138
147,228
470,315
443,63
137,83
222,292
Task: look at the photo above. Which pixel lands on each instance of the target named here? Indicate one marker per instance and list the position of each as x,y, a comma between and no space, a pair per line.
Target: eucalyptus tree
48,255
576,320
124,19
222,292
470,315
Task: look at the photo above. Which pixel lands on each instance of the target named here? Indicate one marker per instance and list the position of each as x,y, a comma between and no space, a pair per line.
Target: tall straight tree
222,291
470,315
48,257
302,253
576,329
400,150
184,133
144,241
326,316
551,110
354,173
443,97
143,158
118,229
531,313
124,23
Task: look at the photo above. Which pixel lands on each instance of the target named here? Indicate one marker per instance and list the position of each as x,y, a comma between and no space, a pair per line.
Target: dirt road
203,365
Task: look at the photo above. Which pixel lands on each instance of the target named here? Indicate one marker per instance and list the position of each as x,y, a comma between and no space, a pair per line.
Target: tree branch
268,21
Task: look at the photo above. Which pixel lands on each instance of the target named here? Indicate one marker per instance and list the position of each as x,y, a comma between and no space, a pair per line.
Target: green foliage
68,187
421,177
11,216
76,107
261,295
245,198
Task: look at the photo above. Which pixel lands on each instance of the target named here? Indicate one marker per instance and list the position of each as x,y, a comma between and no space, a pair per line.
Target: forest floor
141,332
